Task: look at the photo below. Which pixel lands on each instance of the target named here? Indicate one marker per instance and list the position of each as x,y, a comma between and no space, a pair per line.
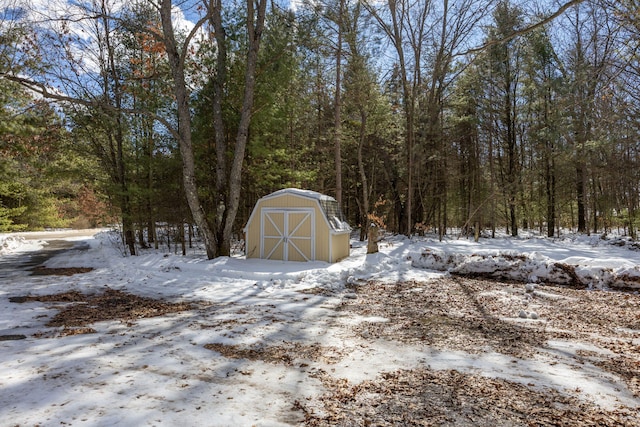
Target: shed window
334,214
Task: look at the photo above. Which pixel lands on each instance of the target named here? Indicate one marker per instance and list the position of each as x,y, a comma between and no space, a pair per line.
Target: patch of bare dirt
12,337
76,331
458,314
84,309
66,271
287,353
317,291
71,296
115,305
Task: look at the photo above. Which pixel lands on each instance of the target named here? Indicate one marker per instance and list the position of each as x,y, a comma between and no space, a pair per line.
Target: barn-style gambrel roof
330,207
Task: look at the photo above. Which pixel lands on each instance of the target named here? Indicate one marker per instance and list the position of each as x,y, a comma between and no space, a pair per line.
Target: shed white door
288,234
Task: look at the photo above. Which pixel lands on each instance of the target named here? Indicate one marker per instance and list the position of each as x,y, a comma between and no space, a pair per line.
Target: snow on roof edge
299,192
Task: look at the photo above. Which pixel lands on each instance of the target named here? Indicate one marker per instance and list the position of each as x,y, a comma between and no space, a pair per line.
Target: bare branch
523,31
193,32
46,93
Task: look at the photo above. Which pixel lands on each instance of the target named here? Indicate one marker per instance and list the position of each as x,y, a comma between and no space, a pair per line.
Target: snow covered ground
10,244
172,369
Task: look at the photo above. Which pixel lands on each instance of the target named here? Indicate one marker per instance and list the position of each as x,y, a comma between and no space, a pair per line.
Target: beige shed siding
328,247
340,246
289,201
252,237
300,251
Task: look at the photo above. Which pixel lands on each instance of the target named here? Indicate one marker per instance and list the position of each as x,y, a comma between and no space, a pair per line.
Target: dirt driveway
13,265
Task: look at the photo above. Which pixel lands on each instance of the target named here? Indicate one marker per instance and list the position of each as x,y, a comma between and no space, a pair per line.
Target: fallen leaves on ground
423,397
286,353
66,332
63,271
110,305
471,315
474,315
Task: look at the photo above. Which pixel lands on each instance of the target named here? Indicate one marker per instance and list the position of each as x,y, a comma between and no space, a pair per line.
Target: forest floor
596,330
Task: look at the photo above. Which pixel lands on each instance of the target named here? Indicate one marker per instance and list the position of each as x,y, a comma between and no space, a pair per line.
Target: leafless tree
229,177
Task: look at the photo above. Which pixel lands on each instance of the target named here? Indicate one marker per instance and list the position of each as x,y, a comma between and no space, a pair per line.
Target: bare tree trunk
551,196
580,193
512,155
364,206
176,63
218,121
399,12
117,134
183,239
151,222
255,27
492,178
372,243
337,118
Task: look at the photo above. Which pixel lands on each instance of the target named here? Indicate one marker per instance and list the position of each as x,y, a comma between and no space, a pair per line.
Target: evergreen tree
504,68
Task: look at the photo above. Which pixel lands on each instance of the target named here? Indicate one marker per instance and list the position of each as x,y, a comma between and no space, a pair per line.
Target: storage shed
297,225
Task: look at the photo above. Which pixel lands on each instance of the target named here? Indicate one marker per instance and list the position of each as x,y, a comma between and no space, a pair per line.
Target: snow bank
589,262
580,261
16,244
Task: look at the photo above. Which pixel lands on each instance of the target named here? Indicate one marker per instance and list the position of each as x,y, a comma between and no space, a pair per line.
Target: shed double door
288,234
